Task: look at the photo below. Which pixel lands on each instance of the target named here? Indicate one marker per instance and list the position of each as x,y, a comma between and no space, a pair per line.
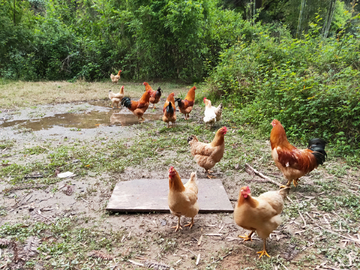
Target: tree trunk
14,12
329,17
302,7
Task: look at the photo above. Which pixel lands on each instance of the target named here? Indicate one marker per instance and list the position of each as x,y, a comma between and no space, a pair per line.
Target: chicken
138,108
115,78
186,105
169,110
293,162
260,214
116,98
154,95
212,114
208,154
182,199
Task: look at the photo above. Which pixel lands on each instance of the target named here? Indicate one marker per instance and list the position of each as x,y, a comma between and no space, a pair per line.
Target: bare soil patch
320,228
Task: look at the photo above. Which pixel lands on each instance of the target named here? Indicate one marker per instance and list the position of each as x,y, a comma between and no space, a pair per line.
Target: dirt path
62,223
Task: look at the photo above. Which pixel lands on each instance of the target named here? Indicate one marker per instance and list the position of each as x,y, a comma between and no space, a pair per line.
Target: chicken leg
177,227
262,252
190,224
295,182
247,237
209,173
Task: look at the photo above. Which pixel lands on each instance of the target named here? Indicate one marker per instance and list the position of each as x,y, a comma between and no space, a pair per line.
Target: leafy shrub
309,85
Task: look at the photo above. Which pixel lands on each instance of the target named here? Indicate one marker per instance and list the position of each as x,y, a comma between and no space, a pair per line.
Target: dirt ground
47,222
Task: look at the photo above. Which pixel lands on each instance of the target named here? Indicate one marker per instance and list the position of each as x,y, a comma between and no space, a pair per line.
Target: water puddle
61,118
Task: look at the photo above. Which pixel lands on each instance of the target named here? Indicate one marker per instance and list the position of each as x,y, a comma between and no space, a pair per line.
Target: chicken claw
262,252
296,182
177,227
209,174
247,237
190,224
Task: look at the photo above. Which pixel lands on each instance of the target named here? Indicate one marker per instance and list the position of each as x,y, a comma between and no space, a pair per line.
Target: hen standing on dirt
208,154
260,214
182,199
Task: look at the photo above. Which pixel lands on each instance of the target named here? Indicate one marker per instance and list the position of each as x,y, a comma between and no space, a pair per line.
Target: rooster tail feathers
178,100
126,101
169,108
318,146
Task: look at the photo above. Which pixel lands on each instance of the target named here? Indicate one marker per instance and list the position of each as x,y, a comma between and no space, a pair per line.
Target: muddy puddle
73,119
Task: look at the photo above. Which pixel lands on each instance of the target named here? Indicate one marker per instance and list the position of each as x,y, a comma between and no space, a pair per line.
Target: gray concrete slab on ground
147,195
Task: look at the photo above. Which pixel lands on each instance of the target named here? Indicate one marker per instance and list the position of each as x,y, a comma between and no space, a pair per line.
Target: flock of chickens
138,108
260,214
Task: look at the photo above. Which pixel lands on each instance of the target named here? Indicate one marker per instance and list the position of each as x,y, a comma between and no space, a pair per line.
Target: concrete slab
147,195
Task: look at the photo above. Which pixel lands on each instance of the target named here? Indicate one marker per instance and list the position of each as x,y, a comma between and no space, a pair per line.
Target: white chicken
116,97
212,114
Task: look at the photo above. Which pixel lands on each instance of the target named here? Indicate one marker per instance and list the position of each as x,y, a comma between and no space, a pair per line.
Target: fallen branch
250,170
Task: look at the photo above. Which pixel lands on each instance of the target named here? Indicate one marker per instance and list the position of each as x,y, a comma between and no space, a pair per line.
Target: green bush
310,85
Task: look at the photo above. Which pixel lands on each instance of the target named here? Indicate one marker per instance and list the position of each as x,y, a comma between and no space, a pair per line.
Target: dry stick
136,263
250,170
338,234
200,239
198,259
302,218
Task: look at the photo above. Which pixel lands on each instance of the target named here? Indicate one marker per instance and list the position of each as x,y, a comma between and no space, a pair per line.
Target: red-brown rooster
154,95
186,105
169,114
138,108
293,162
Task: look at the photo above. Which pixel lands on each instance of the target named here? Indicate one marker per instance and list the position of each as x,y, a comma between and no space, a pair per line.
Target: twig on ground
136,263
302,218
200,239
250,170
198,259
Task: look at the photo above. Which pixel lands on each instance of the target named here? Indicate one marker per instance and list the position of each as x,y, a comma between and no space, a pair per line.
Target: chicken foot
263,252
209,174
190,224
247,237
177,227
295,182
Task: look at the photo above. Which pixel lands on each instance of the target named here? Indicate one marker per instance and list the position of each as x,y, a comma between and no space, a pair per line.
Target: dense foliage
311,85
294,60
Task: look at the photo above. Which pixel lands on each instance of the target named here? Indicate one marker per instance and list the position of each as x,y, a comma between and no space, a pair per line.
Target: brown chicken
260,214
154,95
293,162
186,105
138,108
169,110
208,154
116,98
182,199
115,78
